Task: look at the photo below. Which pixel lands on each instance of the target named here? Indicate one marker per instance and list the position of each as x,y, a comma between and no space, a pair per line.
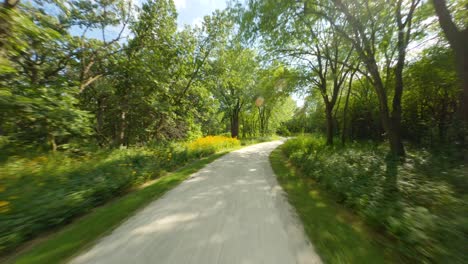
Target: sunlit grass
47,191
210,144
79,235
413,201
337,235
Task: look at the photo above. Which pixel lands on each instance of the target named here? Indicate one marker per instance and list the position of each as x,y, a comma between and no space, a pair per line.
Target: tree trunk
235,124
395,138
262,119
329,117
52,142
123,128
345,109
243,127
458,40
391,125
100,120
396,142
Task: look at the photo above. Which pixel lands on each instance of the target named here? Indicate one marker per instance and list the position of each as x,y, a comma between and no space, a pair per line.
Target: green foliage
337,235
83,232
50,190
432,98
424,213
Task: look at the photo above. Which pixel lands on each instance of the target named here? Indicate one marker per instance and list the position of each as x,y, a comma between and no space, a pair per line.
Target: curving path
231,211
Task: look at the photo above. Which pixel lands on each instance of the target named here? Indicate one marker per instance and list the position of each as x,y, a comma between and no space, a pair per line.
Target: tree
233,78
373,30
273,87
457,36
431,101
309,43
40,101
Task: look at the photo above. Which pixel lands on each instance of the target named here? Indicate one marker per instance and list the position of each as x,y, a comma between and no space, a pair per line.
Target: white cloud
180,4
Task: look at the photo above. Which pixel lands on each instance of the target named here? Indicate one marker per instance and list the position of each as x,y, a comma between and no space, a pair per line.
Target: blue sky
191,12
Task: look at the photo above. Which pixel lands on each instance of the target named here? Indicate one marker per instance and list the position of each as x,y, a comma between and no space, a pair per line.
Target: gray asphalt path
231,211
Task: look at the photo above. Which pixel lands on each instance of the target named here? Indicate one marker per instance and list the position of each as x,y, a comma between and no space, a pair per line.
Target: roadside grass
79,235
42,193
416,202
337,235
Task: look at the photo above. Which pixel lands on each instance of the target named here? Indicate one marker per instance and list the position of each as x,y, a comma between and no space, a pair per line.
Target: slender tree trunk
345,109
235,124
123,128
100,121
243,126
391,126
52,142
396,139
365,51
329,117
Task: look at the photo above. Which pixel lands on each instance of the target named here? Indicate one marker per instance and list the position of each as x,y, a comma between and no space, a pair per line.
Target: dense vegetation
425,214
50,190
386,80
97,97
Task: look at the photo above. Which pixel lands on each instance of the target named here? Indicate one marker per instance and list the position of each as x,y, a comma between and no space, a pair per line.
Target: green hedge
50,190
414,201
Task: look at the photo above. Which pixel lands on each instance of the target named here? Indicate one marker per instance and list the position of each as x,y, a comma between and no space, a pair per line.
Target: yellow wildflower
4,206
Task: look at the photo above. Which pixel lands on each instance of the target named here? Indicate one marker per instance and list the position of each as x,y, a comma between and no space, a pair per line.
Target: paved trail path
231,211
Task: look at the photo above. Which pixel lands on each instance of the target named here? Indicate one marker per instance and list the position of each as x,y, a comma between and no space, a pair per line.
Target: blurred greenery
98,97
50,190
424,211
60,246
337,234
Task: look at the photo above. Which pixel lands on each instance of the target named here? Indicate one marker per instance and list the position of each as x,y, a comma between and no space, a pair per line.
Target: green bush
39,193
261,139
410,200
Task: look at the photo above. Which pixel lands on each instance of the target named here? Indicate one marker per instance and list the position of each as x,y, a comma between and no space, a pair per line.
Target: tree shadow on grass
338,235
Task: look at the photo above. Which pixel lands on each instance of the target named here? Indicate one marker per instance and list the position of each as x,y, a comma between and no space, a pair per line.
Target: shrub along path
231,211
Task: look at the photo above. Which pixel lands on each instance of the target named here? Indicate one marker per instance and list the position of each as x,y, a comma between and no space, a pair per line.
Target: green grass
80,234
417,201
256,140
338,235
43,192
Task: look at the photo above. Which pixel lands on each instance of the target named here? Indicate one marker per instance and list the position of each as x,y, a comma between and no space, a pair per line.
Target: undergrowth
37,194
417,202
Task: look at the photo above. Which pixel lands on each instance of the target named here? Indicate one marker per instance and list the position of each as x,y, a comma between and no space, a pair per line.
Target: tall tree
309,43
233,78
456,33
378,32
273,87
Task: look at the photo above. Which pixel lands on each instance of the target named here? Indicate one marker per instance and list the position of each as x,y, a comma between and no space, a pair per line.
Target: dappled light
110,110
402,198
203,217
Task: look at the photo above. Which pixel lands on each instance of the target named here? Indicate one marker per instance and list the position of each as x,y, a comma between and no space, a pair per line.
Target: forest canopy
116,74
